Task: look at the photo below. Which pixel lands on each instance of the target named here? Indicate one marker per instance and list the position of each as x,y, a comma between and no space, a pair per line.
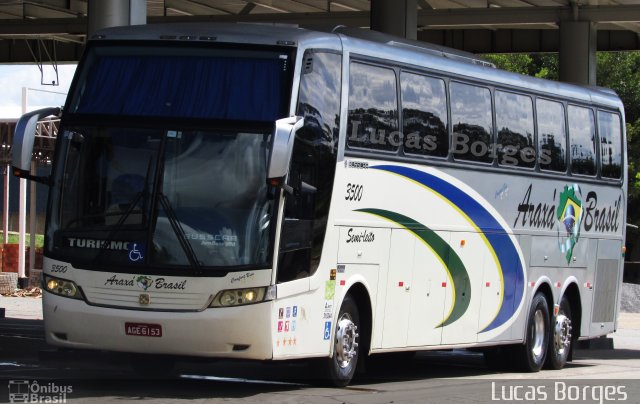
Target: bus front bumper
242,332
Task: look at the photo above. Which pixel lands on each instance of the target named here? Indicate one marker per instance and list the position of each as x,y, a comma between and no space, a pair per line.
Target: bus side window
552,135
424,115
373,108
313,162
610,144
582,133
472,123
514,122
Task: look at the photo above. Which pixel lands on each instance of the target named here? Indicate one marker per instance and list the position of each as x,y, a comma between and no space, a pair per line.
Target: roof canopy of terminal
64,22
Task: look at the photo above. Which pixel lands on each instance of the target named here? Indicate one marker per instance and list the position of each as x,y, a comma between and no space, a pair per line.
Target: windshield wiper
116,228
125,215
179,232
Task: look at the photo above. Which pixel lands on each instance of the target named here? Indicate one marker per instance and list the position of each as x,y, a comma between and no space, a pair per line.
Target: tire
560,343
340,369
531,356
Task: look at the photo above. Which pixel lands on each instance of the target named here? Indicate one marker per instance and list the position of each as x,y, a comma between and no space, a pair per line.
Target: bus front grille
147,300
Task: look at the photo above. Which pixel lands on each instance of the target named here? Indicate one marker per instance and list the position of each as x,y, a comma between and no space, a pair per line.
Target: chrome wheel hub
537,335
346,341
562,334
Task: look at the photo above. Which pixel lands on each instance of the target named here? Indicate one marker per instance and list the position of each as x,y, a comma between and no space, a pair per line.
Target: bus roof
249,33
451,62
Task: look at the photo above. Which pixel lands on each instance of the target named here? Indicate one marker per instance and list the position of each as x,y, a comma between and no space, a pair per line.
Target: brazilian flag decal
444,252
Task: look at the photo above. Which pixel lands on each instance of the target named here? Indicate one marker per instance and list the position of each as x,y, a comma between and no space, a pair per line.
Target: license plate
143,330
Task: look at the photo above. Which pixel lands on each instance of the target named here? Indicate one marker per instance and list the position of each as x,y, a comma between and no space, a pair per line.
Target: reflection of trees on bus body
471,109
583,133
514,117
424,112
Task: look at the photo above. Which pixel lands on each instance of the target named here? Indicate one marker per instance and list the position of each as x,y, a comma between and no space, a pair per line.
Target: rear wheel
339,369
561,337
532,354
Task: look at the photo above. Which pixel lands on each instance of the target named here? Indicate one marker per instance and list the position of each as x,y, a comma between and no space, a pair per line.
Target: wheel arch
572,292
545,288
362,297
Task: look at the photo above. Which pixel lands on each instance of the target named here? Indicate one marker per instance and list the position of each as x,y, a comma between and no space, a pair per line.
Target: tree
542,65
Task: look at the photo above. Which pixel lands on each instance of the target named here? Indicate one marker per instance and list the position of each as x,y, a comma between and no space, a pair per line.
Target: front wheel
340,368
532,354
560,342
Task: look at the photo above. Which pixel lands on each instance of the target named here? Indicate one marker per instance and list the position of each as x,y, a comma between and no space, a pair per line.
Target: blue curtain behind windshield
190,87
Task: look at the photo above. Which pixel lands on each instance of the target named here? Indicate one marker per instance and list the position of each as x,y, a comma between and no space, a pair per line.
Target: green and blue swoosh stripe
504,250
446,255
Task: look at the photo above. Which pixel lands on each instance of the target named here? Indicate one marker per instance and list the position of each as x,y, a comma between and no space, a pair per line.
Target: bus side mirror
23,138
283,139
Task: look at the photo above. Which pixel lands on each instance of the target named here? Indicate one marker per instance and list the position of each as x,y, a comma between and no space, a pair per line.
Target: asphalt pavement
26,362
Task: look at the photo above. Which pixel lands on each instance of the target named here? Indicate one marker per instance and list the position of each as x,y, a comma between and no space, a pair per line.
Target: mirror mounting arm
46,180
280,183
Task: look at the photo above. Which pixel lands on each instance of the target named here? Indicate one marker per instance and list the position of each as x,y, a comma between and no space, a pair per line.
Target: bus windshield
163,197
179,179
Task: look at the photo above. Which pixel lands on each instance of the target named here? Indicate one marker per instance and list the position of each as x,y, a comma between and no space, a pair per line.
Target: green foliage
620,71
547,66
517,63
633,150
13,239
544,65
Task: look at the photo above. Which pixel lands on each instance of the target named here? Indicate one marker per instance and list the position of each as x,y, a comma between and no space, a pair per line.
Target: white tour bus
270,193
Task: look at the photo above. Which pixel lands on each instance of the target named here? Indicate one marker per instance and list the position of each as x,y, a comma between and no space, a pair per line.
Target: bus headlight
62,287
239,297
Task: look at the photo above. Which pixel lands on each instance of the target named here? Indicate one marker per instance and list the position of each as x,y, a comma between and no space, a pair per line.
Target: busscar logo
26,391
569,215
144,299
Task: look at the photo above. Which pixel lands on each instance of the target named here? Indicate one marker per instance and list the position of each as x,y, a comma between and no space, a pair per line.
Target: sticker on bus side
330,290
327,330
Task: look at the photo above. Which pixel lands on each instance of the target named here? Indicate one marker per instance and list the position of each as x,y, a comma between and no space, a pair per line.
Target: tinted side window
582,132
313,162
514,122
552,135
424,115
373,108
471,120
319,101
610,144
